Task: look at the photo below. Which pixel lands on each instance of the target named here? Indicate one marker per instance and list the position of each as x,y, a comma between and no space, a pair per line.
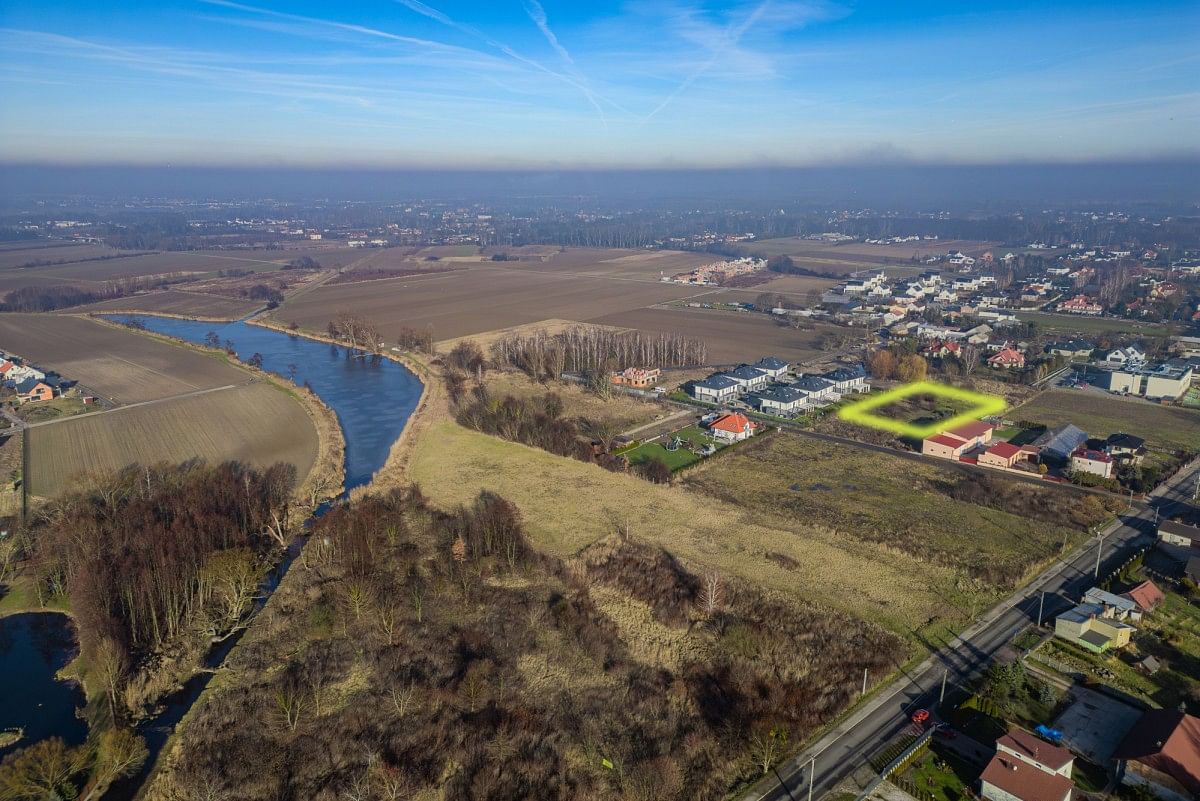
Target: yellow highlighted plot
863,412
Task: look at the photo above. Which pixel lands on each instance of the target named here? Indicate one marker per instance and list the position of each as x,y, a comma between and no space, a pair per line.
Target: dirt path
666,421
23,424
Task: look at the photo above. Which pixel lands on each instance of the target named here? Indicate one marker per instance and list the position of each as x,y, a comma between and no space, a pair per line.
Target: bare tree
712,596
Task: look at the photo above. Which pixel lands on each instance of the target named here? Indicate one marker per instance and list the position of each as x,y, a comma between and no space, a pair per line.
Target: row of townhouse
767,387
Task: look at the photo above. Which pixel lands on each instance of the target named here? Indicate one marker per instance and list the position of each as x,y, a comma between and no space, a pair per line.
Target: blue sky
549,83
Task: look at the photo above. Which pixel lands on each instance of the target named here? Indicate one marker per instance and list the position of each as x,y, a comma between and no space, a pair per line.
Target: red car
920,716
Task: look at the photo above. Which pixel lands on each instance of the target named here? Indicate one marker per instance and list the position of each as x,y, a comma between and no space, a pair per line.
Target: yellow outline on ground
861,412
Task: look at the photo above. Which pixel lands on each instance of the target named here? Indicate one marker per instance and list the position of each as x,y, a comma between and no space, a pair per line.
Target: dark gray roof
744,372
1120,440
1061,441
717,382
846,373
771,363
812,383
781,394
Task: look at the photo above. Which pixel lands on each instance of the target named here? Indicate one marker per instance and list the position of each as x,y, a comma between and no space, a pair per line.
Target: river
373,398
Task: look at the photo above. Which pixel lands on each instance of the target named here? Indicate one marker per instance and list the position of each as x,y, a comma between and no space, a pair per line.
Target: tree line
586,349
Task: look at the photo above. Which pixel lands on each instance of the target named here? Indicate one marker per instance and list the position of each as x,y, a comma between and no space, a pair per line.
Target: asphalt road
846,747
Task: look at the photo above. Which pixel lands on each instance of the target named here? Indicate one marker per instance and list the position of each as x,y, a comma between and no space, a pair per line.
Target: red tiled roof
1147,595
1035,748
1168,741
1091,456
1005,450
947,440
1024,781
734,423
971,430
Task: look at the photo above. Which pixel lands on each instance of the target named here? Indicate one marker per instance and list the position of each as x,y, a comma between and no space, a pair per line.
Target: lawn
1163,427
1075,324
682,457
39,411
939,777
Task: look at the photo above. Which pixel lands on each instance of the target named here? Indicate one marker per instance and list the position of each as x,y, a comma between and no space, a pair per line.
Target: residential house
1003,454
976,434
848,379
780,399
1059,443
1118,607
1081,304
1072,348
1162,753
1008,358
1097,463
773,367
1180,540
748,378
819,390
944,446
732,427
716,389
1146,596
942,349
1126,357
1087,626
1026,768
33,389
1125,447
637,377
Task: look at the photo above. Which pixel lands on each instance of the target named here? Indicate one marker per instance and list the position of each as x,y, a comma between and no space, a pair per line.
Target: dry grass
625,410
256,423
111,361
569,505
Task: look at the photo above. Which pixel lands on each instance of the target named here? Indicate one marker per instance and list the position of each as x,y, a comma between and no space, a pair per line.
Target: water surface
34,646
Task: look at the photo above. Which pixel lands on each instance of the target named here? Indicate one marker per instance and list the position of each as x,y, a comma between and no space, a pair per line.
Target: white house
848,379
1026,768
748,378
1097,463
819,390
716,389
1130,356
780,400
773,367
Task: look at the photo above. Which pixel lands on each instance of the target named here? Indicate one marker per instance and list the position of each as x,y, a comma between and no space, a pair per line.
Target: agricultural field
732,337
256,423
175,302
568,505
124,366
887,501
51,254
473,301
1163,427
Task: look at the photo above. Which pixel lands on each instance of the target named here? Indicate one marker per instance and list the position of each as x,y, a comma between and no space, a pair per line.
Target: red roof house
1028,769
1002,454
945,446
1146,595
977,432
1007,359
733,427
1163,750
